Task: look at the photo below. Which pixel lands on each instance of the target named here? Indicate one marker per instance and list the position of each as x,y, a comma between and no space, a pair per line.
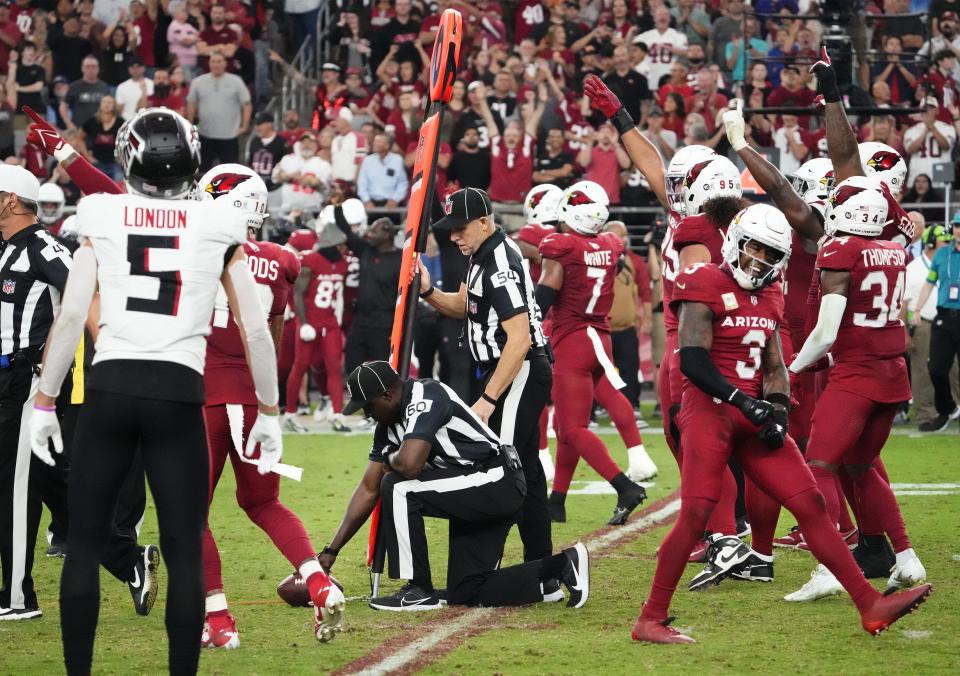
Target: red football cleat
791,540
699,553
851,537
657,631
891,607
220,632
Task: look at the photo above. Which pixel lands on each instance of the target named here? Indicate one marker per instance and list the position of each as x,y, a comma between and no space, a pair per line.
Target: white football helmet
542,204
885,163
677,170
353,211
766,226
585,207
814,179
69,229
50,201
856,207
245,188
709,179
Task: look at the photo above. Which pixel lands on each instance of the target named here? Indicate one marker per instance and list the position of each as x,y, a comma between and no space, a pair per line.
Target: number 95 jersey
589,270
160,263
743,322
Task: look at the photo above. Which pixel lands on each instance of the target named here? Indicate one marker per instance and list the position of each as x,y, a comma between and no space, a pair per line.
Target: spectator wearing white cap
347,149
929,141
304,175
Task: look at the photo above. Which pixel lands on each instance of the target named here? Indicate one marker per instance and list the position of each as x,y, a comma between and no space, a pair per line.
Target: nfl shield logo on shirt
473,307
9,285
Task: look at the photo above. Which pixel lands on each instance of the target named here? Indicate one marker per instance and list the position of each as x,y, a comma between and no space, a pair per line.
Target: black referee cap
369,380
464,206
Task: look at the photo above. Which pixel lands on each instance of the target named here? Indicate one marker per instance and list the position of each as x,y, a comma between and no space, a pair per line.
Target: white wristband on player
64,153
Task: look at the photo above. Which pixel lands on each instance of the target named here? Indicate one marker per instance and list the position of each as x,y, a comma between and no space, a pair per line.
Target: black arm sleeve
695,364
545,297
354,241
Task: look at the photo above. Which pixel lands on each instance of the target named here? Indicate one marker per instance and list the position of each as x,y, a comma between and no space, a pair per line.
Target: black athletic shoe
551,591
754,569
14,614
874,555
557,509
146,580
743,527
938,424
627,501
410,598
57,549
576,575
725,553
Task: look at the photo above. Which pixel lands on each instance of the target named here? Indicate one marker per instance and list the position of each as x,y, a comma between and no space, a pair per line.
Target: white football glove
308,334
44,427
266,432
734,123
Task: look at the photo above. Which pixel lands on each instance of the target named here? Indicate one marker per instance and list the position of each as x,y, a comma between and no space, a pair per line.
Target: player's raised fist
826,77
601,97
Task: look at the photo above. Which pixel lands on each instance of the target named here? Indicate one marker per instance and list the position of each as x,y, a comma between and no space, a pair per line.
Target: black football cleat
875,556
146,577
576,575
627,501
410,598
754,569
726,552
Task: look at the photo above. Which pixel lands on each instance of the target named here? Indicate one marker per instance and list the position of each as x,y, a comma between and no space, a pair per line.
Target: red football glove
41,134
601,97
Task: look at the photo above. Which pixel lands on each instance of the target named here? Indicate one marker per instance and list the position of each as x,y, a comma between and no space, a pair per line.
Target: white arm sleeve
824,334
261,355
68,327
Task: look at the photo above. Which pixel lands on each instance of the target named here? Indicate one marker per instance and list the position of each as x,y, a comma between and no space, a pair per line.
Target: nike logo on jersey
828,253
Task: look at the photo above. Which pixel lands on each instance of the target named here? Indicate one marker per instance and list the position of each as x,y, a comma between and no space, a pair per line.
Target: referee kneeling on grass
433,456
503,333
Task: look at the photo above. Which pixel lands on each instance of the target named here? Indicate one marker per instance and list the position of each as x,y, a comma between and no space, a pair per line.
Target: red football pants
712,433
328,345
582,361
849,431
258,495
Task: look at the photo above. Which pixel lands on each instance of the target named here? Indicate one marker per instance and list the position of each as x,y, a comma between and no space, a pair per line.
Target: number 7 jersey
589,270
159,267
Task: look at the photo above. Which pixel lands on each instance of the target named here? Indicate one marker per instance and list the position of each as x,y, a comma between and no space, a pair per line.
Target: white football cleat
821,584
546,461
290,424
642,467
910,573
328,613
323,411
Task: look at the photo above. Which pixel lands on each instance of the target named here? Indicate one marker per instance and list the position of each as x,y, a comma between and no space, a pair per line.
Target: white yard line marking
414,650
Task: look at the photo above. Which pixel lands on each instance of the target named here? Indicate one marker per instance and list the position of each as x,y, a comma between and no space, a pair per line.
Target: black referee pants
516,419
944,351
366,343
20,505
626,355
173,446
481,506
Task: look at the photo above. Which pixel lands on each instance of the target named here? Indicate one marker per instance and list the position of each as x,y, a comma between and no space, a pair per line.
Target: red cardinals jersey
871,326
899,227
511,170
324,296
533,233
697,229
589,269
226,376
743,322
797,276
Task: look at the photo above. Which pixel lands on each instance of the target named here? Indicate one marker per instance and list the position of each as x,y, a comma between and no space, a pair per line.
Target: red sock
621,412
821,534
593,451
844,521
673,554
827,483
564,466
763,512
212,576
724,519
881,513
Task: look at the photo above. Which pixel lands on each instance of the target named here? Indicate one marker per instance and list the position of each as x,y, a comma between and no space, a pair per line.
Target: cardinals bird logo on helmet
883,161
223,183
843,193
694,172
577,198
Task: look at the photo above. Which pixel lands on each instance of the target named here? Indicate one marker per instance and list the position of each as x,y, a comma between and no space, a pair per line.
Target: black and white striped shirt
498,288
433,412
33,273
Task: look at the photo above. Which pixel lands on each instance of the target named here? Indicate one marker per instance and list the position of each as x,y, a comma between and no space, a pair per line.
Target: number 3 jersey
589,270
227,377
870,344
160,263
743,322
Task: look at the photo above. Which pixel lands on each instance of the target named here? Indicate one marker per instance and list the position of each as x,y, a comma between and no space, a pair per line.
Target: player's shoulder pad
94,211
840,253
534,233
556,245
611,241
290,262
228,222
692,230
699,276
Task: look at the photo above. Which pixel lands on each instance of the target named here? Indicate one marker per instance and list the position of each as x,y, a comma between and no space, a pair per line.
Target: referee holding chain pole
503,333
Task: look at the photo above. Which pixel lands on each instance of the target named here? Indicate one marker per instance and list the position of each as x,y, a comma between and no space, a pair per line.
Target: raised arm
841,141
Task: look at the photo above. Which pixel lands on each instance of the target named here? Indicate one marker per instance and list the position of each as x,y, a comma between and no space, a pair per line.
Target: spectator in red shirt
528,15
603,159
329,97
677,84
165,94
674,113
218,37
143,17
404,122
707,101
10,36
791,92
292,130
939,82
881,128
556,52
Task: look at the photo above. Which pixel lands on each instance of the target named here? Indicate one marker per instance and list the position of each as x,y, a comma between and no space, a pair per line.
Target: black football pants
172,443
516,419
944,351
481,506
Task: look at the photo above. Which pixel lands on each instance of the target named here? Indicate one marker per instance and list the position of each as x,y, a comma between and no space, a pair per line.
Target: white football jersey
160,263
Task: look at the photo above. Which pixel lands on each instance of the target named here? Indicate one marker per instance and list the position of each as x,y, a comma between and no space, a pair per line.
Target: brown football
293,590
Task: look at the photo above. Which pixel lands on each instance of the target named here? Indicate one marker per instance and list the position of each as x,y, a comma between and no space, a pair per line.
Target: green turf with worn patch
740,627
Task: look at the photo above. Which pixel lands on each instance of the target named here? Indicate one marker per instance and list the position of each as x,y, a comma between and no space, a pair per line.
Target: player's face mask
759,263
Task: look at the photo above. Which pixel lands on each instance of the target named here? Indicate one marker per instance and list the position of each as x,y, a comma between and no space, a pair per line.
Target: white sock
309,567
905,555
763,557
635,451
216,602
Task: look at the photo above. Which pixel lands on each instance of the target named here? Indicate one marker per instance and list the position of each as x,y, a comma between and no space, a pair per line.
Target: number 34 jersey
589,270
160,263
743,322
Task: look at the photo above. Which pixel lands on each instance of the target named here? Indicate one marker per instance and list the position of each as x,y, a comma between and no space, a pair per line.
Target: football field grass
740,627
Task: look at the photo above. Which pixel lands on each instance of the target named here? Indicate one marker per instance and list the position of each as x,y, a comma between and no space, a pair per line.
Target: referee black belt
485,367
948,312
31,356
